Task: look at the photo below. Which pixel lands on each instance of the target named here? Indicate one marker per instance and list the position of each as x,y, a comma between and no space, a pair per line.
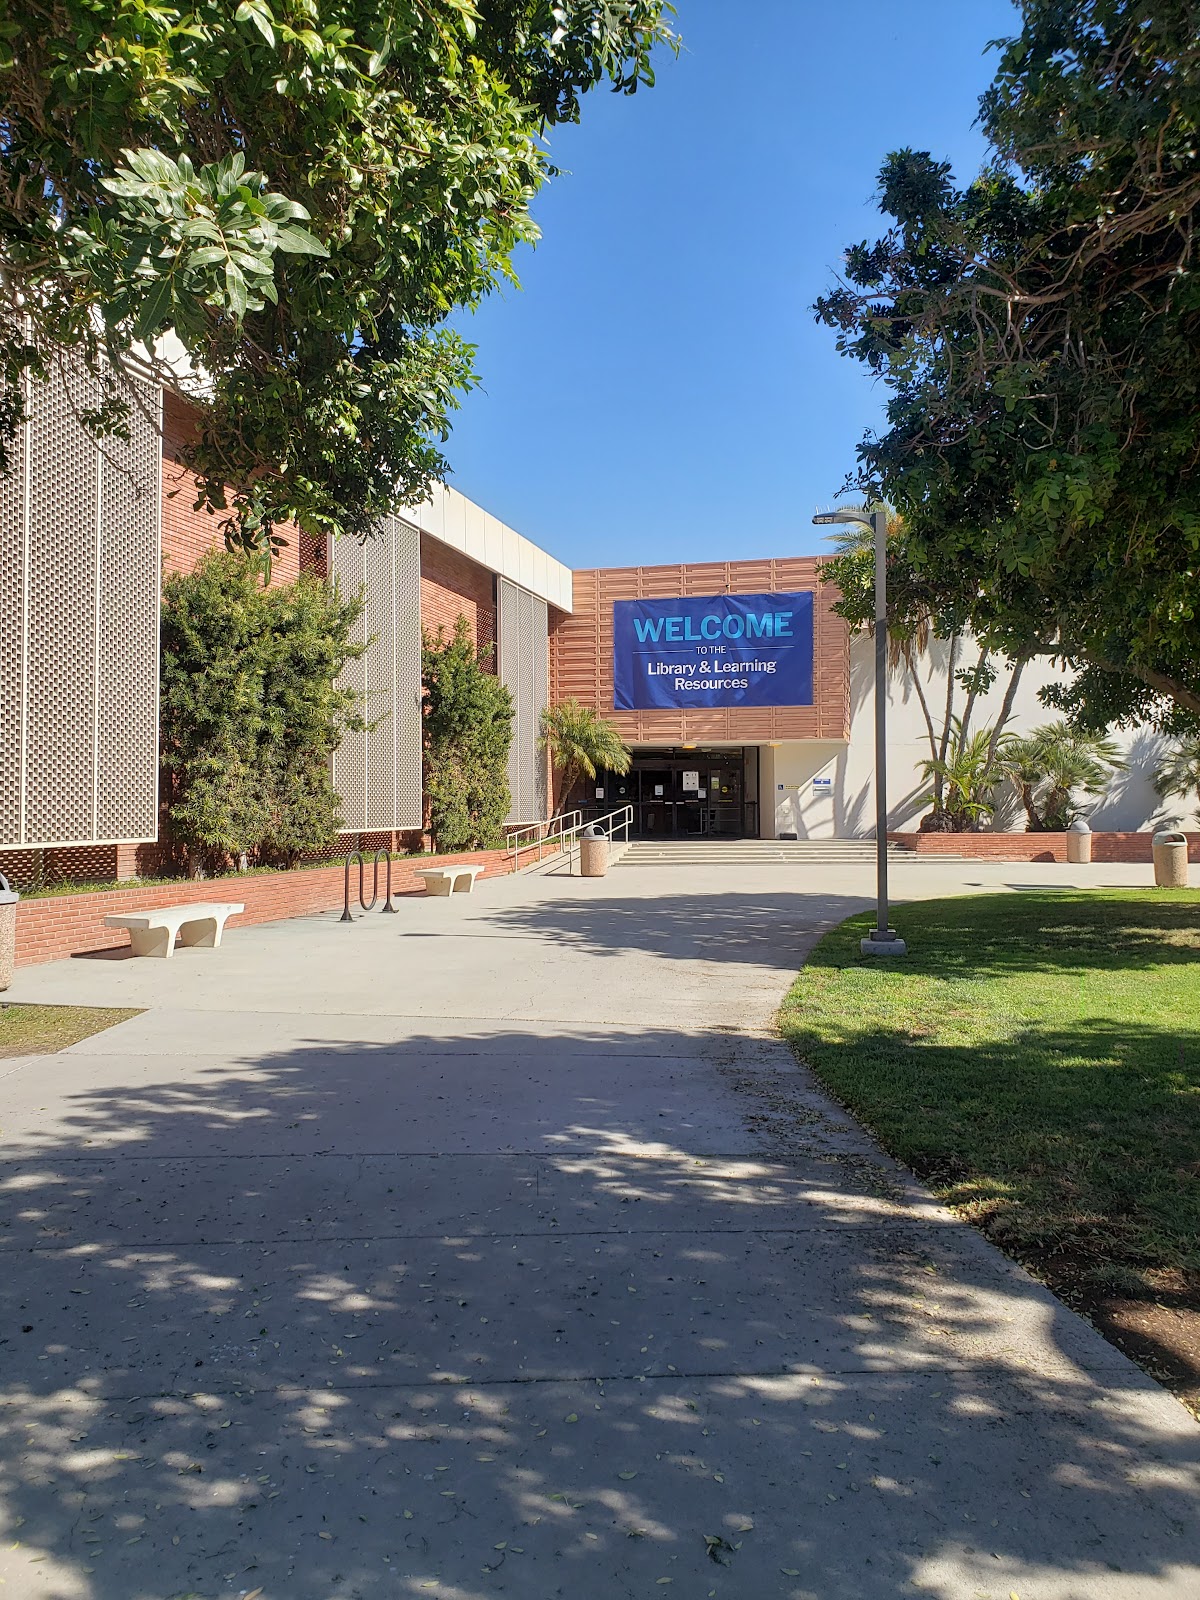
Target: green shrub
468,728
252,713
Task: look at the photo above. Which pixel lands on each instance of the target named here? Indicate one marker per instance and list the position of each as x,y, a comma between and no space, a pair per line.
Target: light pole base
885,943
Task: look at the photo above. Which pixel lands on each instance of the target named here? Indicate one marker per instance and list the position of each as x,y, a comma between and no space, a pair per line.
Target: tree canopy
302,193
1037,330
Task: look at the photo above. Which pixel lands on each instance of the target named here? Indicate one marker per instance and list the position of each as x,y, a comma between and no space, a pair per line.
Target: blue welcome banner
713,650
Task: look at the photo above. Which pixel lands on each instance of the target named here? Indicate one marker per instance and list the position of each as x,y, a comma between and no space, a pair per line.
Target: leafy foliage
1052,766
302,194
200,241
968,777
468,729
1178,776
581,744
1037,330
252,712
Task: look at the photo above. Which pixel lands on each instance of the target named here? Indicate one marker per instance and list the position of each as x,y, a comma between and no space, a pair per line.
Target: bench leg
464,884
152,942
440,886
202,933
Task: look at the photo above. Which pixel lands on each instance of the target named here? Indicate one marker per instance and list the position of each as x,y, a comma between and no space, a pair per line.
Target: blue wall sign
713,650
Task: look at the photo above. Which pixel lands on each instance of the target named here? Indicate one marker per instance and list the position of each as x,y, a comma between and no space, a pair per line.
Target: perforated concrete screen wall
79,607
378,772
524,662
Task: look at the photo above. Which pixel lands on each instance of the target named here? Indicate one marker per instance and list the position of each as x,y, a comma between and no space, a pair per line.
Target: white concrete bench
152,933
449,880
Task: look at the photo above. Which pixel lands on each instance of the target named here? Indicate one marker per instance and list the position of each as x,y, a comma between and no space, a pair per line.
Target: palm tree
967,775
1054,763
1178,775
581,744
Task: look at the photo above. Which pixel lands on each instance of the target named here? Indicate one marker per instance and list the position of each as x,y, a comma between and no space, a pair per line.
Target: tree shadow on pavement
240,1351
734,927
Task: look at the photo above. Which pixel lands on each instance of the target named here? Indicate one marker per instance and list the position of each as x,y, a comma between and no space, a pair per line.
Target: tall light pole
883,940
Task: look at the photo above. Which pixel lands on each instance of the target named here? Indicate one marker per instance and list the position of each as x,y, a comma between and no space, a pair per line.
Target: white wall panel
1129,804
524,664
79,591
377,772
460,523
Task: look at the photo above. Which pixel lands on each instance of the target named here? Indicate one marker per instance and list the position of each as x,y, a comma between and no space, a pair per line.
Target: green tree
581,744
302,194
916,617
1037,330
468,730
252,712
1052,766
1178,775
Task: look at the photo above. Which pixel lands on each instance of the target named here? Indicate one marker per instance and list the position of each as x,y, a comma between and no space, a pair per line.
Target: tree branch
1187,699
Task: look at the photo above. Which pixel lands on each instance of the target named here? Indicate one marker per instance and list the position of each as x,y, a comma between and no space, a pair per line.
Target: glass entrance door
653,812
725,808
684,794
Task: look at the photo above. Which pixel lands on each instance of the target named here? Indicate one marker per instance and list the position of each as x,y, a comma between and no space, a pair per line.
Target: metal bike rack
368,905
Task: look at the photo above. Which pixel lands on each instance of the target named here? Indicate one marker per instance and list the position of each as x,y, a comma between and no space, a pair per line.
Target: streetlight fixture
883,940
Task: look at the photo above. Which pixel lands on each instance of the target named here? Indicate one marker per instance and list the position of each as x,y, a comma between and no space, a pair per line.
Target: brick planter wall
1129,847
69,924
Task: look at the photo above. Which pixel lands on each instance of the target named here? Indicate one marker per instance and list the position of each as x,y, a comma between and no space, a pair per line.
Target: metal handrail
545,833
612,823
622,819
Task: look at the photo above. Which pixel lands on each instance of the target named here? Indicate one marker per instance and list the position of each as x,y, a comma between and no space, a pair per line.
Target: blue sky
657,390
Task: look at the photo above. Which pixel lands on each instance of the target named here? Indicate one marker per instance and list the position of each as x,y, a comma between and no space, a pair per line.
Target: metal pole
879,526
883,941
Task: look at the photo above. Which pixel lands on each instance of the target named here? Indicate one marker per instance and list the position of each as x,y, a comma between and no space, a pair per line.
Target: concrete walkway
496,1248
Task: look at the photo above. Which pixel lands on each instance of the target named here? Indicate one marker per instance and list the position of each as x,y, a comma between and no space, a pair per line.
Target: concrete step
747,852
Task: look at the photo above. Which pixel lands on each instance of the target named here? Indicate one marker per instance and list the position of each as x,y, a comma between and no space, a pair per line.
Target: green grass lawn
38,1030
1035,1058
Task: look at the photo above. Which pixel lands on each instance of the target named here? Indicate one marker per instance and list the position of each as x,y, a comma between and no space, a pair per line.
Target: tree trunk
1181,693
1034,825
910,662
972,696
569,777
1010,694
943,748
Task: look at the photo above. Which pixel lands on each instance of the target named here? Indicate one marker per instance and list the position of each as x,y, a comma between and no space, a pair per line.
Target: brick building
87,533
747,704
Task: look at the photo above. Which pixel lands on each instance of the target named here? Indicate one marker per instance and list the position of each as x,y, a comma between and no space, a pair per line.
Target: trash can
593,852
8,931
1170,859
1079,841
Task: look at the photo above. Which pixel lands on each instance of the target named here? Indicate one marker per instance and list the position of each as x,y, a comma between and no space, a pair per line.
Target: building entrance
679,794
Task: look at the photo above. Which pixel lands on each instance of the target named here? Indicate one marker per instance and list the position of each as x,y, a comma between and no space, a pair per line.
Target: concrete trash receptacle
1170,852
1079,842
593,852
8,932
